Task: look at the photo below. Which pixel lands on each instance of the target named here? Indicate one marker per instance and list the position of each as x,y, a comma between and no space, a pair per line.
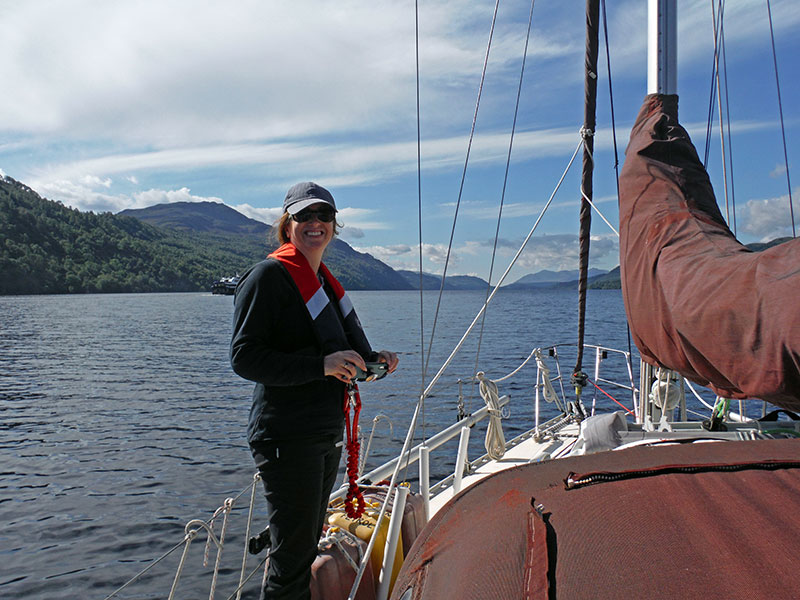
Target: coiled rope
355,503
495,442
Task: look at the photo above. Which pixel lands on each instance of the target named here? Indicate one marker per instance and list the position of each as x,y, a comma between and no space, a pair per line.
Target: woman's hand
390,358
342,365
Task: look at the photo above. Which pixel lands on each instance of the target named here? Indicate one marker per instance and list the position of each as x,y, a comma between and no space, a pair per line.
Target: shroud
698,301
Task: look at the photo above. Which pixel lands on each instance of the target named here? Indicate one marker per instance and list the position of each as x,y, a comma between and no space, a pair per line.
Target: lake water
121,418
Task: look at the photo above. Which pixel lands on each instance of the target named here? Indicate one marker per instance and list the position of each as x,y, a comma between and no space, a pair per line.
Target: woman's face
312,236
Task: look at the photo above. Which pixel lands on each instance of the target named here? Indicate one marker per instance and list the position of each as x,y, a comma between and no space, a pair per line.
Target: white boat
225,286
643,501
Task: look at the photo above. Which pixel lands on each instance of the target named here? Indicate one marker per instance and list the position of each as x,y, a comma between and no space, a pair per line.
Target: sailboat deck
526,449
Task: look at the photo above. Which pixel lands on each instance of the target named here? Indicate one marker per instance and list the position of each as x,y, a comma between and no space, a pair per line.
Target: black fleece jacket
276,345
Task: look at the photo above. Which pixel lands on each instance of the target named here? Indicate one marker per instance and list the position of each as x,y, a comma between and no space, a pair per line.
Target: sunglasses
323,216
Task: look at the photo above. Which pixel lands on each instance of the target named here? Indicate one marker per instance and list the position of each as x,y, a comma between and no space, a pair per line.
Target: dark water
121,419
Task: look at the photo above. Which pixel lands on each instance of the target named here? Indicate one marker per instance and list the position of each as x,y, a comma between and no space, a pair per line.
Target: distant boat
225,286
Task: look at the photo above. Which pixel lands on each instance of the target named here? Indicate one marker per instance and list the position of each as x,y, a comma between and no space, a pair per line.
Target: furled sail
698,301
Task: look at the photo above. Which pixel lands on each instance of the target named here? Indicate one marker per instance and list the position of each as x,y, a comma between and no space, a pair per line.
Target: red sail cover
698,301
715,521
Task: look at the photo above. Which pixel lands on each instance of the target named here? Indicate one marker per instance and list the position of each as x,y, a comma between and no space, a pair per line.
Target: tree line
47,248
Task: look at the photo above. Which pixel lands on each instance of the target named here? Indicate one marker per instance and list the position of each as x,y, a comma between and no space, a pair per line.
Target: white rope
515,371
698,396
226,508
549,391
495,442
188,538
256,479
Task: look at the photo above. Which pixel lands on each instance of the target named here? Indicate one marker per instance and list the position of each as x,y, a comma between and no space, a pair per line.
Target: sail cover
706,520
697,300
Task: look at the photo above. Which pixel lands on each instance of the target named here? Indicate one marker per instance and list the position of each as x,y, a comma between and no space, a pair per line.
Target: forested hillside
47,248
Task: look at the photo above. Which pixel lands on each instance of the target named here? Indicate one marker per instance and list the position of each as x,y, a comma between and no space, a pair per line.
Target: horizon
221,104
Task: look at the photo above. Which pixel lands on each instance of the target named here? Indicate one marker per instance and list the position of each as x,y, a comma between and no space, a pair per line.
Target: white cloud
769,218
265,215
778,171
92,193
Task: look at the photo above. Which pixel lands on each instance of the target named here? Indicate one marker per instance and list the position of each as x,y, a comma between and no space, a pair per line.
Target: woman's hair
279,228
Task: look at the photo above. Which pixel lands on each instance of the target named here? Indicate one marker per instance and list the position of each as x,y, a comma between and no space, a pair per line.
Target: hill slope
355,270
48,248
452,282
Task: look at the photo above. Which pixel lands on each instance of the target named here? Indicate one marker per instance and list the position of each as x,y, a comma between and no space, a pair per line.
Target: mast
662,55
589,122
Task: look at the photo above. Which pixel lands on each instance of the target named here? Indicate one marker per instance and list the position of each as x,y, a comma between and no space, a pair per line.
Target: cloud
778,171
265,215
769,218
92,193
557,252
351,233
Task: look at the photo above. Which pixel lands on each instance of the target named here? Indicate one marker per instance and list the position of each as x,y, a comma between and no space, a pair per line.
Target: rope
242,580
226,509
549,391
515,371
188,537
355,503
495,442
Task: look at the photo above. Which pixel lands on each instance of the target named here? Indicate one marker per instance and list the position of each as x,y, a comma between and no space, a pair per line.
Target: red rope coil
355,503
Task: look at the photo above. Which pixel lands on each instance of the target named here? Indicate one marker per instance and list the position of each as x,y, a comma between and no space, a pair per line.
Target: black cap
303,195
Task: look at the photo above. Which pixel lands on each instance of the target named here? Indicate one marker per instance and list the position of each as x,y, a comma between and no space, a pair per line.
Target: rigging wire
502,196
715,62
461,188
730,140
721,75
419,220
780,110
613,123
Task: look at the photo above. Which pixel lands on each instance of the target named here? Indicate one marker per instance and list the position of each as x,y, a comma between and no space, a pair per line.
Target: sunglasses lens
324,216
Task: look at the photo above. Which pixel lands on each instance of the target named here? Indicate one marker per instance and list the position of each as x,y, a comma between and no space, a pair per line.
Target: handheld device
375,370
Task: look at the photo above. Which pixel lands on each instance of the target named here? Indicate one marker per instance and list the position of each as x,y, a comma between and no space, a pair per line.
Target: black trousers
298,476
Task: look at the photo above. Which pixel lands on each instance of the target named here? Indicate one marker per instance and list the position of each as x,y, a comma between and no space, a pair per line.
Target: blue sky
108,105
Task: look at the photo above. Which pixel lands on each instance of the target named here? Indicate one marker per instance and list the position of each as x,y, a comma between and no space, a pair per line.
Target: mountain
545,279
355,270
48,248
209,217
606,281
451,282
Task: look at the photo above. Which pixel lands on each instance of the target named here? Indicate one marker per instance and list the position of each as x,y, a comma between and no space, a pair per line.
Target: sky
112,104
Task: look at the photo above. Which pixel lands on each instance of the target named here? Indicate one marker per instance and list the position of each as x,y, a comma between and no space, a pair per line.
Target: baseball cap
304,194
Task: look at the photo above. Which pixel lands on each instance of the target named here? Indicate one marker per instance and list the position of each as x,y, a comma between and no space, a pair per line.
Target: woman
296,335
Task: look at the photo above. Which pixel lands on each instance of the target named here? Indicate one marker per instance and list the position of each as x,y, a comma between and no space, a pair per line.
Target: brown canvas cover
697,300
709,532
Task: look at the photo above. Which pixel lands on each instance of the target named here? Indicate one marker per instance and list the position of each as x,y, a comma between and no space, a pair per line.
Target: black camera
375,370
